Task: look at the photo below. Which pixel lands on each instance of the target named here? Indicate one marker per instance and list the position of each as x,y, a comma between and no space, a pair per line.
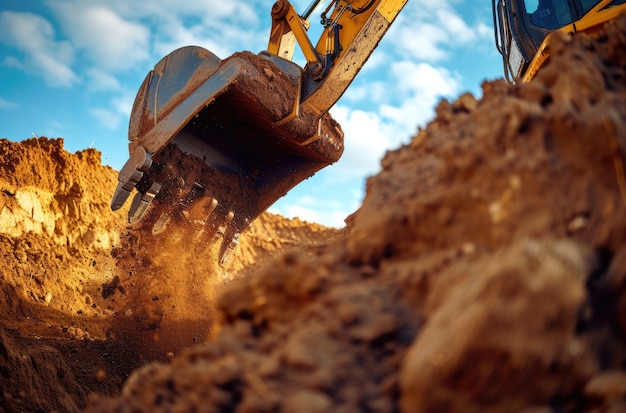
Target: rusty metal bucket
216,142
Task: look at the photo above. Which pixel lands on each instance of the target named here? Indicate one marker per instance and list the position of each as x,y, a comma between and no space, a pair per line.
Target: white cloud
159,26
484,31
118,35
221,28
366,140
52,128
116,115
7,104
101,81
456,28
423,79
423,41
55,71
208,11
361,92
329,218
429,30
108,40
177,35
44,56
107,119
13,62
328,212
123,104
421,87
412,91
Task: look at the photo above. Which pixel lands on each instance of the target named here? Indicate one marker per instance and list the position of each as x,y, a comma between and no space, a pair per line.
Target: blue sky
71,69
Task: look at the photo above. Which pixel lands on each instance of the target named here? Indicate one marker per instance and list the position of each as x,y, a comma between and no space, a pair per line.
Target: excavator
214,143
523,29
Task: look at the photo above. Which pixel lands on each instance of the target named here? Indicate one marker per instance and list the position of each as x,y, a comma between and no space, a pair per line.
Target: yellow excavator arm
352,30
214,143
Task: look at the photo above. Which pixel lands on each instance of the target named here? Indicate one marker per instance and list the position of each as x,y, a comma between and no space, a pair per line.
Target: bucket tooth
160,224
198,210
132,172
230,248
211,207
141,202
221,230
194,193
120,196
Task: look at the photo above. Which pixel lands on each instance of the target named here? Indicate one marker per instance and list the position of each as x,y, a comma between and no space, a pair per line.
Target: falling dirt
76,282
484,272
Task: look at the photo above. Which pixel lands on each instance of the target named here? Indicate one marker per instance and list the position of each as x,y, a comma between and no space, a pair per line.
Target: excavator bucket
216,142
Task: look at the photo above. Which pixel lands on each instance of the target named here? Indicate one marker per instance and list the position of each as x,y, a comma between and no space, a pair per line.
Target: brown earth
484,272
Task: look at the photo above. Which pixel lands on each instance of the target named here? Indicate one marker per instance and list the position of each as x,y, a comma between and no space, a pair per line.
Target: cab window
588,5
549,14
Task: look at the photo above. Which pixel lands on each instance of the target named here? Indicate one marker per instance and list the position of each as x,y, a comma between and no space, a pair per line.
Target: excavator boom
214,143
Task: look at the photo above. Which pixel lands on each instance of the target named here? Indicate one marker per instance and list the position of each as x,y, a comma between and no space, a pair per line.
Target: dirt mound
484,271
60,288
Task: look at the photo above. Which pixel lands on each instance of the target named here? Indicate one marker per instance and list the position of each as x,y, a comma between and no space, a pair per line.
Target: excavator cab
523,27
216,142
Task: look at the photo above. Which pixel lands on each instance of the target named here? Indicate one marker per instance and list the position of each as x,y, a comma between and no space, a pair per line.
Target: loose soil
484,272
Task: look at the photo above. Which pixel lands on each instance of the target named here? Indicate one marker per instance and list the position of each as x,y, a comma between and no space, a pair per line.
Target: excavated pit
484,272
